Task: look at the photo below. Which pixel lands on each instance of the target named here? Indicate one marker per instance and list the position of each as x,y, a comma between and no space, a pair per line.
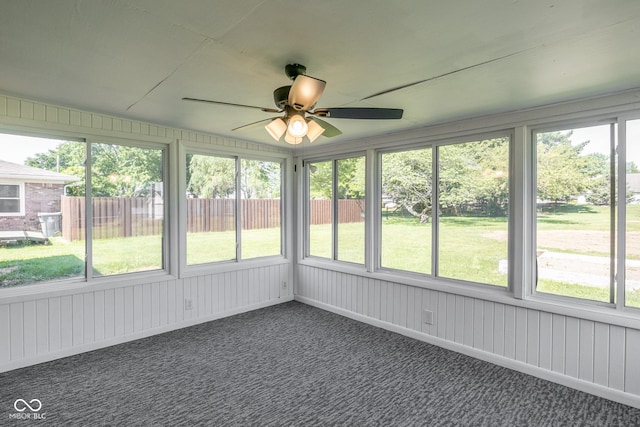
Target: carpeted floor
294,365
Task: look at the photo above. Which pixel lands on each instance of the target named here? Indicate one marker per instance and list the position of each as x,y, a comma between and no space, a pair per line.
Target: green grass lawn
469,249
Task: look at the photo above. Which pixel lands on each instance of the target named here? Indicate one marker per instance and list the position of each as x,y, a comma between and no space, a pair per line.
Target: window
320,209
211,209
233,208
350,209
11,199
336,209
261,206
632,214
406,210
471,222
107,222
473,205
127,199
575,212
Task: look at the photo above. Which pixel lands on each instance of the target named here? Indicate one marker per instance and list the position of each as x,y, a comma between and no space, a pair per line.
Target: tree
212,177
260,179
116,170
406,179
561,169
351,179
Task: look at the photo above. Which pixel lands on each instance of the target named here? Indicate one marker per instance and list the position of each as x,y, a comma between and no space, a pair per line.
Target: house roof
14,171
439,61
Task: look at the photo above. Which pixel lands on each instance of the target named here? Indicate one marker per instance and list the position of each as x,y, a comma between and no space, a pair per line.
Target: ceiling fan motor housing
294,70
281,96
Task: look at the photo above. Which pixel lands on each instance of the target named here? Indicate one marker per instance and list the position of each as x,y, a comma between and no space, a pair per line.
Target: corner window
336,209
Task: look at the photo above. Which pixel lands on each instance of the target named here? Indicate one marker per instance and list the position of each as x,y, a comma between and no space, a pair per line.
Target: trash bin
50,222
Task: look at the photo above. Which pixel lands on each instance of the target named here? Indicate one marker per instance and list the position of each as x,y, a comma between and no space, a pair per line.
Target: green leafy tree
212,177
561,168
406,179
260,179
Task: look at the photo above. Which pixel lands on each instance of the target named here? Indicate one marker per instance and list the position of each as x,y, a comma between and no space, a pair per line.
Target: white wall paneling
588,355
38,330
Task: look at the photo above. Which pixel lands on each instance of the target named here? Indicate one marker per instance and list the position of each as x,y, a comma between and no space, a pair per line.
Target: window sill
74,286
230,266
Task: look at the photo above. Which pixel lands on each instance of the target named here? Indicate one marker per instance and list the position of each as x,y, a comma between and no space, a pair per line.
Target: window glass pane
55,168
211,209
128,209
351,209
320,208
9,191
9,206
406,210
261,191
473,207
632,262
573,215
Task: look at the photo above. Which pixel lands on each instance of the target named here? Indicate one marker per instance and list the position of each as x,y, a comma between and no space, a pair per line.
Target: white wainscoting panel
42,329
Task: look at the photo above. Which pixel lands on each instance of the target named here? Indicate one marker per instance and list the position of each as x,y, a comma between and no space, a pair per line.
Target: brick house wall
39,197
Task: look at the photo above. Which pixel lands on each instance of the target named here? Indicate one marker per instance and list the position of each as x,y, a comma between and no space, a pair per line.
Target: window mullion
88,207
334,210
435,207
620,272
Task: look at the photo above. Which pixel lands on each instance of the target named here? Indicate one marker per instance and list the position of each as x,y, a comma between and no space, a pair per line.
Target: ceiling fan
297,101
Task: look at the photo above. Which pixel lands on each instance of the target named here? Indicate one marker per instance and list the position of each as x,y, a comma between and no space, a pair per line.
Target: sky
16,148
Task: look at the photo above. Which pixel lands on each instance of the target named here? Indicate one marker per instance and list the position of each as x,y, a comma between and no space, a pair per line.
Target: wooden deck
20,235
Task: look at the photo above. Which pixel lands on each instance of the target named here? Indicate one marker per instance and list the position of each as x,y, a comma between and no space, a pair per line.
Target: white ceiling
138,58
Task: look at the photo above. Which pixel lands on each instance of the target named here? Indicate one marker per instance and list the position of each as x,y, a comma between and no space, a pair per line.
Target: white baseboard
23,363
587,387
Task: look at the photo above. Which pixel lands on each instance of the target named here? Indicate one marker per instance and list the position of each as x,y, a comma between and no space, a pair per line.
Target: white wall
43,322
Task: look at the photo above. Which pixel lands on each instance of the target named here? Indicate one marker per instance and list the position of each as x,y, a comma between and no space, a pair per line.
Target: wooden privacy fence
140,216
349,210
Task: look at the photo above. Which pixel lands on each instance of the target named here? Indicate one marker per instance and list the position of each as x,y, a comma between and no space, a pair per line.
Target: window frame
188,147
334,208
21,198
531,158
434,146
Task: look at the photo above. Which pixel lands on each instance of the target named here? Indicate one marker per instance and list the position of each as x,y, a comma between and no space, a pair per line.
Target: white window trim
22,198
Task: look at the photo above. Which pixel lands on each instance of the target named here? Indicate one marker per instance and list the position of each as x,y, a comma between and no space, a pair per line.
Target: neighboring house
25,192
633,185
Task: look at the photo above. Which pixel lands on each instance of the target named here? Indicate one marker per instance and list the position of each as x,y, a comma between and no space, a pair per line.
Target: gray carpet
294,365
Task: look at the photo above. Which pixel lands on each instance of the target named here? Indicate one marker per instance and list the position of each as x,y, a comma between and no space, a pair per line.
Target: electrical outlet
188,304
427,317
284,285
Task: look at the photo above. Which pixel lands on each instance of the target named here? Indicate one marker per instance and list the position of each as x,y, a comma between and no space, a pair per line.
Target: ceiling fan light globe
293,140
297,126
315,130
276,128
305,92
